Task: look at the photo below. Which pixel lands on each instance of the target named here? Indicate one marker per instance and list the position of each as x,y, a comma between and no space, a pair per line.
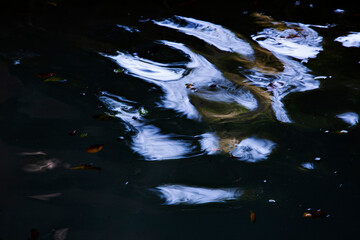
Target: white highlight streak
180,194
213,34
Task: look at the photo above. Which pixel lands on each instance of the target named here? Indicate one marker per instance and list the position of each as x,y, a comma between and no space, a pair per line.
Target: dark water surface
174,119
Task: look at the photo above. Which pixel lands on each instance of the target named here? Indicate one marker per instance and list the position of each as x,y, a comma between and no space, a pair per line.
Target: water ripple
173,80
213,34
298,41
148,140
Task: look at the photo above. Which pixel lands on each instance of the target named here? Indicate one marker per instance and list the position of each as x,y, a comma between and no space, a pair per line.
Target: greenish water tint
173,120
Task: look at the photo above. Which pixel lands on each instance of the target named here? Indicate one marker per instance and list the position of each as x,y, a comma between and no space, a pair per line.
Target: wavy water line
285,45
172,79
292,40
212,34
148,140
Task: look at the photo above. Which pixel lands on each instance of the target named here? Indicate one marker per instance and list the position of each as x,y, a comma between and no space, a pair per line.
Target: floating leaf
252,217
95,148
142,111
86,167
118,70
316,214
83,135
189,86
45,75
103,116
72,133
55,79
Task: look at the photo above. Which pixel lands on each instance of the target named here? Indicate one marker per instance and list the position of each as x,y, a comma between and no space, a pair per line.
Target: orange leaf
86,167
252,217
316,214
45,75
95,148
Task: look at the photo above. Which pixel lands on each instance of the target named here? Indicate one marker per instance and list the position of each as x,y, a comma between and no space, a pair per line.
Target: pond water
179,120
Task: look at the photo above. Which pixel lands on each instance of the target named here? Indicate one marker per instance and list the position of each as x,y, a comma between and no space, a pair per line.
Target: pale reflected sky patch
148,140
289,42
210,143
154,146
287,45
213,34
350,40
350,118
253,149
181,194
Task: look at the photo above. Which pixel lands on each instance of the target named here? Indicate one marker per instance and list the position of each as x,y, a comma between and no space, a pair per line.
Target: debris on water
252,217
142,111
118,70
45,75
95,148
85,167
83,135
190,86
72,132
315,214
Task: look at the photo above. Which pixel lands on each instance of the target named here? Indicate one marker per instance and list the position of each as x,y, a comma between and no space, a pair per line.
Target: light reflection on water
200,77
180,194
213,34
350,118
350,40
302,43
253,149
148,140
207,82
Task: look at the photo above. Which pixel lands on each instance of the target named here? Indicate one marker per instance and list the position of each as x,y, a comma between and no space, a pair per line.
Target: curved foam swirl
180,194
298,41
213,34
148,140
290,42
173,79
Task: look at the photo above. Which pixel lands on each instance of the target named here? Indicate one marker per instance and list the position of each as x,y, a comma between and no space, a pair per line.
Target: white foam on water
350,118
350,40
180,194
253,149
